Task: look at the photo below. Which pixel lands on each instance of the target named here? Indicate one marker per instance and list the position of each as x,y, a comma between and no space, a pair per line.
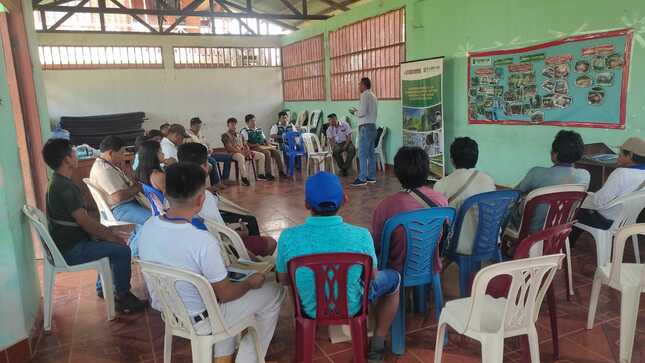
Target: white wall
166,95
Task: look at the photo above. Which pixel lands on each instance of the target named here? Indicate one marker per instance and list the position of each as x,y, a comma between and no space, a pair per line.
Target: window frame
136,49
302,81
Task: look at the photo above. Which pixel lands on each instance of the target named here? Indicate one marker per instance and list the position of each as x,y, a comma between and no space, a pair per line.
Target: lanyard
196,222
124,177
638,166
564,165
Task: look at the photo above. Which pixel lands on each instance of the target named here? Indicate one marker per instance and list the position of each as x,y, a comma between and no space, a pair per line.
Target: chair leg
553,314
167,346
629,300
569,267
438,296
637,252
202,352
358,327
492,349
438,346
593,301
534,345
256,340
397,330
108,289
48,284
603,248
305,340
421,299
464,275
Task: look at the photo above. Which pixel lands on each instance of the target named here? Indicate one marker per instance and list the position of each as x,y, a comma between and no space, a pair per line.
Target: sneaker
261,177
129,303
283,175
270,177
371,181
344,173
245,182
99,293
376,356
358,183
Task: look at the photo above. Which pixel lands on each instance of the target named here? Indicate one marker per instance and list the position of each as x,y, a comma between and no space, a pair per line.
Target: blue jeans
132,212
222,158
386,283
118,254
366,157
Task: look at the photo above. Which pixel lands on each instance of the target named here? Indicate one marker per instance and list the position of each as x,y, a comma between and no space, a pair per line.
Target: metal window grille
219,57
303,70
93,57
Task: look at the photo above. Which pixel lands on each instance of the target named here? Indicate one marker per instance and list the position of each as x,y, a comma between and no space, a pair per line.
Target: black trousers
251,222
591,218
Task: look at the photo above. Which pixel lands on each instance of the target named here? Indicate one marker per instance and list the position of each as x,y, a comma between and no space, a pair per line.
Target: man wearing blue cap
326,232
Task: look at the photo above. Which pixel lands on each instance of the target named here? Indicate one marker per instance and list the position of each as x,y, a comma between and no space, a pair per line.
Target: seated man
462,184
235,146
628,178
325,232
195,135
120,191
280,127
255,139
164,128
412,168
197,154
173,240
71,227
176,136
567,148
339,135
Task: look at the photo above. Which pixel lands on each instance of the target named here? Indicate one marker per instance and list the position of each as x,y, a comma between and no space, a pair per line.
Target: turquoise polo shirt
325,235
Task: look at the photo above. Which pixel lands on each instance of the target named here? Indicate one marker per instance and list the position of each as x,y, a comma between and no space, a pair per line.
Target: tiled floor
81,334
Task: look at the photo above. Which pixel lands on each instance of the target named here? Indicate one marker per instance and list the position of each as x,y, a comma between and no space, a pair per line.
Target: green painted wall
451,28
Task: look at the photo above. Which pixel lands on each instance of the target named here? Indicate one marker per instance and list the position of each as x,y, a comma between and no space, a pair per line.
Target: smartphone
236,276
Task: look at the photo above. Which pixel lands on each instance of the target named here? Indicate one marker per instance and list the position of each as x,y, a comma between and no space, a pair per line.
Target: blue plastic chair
423,230
155,197
493,210
293,149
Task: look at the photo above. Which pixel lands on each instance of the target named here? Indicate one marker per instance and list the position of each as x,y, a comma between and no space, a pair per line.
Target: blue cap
324,188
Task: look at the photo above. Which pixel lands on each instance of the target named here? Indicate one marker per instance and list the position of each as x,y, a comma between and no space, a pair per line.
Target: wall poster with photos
576,81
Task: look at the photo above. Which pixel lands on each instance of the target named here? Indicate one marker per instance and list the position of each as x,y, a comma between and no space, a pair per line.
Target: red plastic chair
553,243
331,309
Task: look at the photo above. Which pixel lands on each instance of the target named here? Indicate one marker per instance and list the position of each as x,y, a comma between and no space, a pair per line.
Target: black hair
55,151
111,143
192,152
637,159
231,120
248,117
282,113
195,121
325,212
164,125
148,160
184,181
153,133
464,153
568,146
332,115
366,82
411,167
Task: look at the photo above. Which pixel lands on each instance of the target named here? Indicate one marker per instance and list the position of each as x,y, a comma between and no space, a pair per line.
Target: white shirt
186,247
368,108
199,139
449,185
621,181
169,149
210,209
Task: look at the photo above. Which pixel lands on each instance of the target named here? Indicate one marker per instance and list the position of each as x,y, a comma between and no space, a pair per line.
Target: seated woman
151,175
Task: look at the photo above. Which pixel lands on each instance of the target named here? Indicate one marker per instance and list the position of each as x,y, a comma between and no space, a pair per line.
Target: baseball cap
323,192
178,129
635,145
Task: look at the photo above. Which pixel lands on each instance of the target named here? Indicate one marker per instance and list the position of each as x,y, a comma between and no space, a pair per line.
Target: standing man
366,114
339,134
195,135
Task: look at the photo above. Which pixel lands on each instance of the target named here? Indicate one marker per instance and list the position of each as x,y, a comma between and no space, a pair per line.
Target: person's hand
255,281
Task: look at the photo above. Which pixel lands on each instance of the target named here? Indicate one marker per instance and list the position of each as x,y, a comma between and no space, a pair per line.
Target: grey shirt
368,108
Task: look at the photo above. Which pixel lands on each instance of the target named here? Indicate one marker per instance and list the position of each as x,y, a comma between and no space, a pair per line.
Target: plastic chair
629,279
293,149
423,231
55,263
162,282
105,212
492,210
316,153
630,206
562,203
489,320
378,150
155,197
330,273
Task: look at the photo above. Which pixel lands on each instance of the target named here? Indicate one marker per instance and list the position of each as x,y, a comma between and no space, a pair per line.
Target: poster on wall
422,110
577,81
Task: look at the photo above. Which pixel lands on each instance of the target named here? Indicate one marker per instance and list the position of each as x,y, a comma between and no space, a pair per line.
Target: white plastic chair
378,151
316,153
630,206
489,320
55,263
107,218
629,279
232,243
162,281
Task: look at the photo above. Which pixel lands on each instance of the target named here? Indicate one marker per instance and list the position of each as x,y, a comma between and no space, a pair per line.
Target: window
76,57
303,70
371,48
206,57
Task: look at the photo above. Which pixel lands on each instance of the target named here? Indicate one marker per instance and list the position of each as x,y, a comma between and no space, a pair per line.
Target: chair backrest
101,203
155,197
302,119
560,201
552,239
492,208
531,278
379,141
330,275
423,231
233,247
293,142
314,119
162,282
619,250
311,143
39,221
630,206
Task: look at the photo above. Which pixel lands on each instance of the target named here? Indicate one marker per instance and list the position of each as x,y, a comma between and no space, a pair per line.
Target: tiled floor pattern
81,334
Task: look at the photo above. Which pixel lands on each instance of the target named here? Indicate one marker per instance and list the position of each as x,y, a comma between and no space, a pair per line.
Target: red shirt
391,206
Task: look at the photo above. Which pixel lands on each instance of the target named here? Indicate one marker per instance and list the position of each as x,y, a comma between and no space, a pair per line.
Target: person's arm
230,148
377,228
363,109
612,189
526,185
123,195
226,290
94,228
273,133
